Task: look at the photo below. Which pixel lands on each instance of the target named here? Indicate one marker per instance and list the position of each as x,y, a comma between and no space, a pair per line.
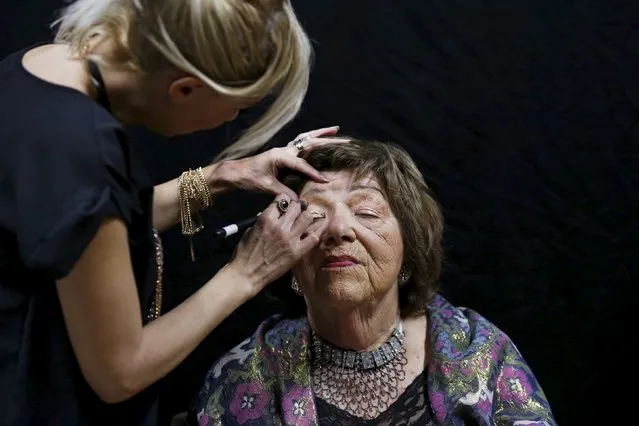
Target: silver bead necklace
363,384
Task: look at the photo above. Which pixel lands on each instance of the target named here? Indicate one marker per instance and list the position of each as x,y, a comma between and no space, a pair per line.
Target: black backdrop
523,115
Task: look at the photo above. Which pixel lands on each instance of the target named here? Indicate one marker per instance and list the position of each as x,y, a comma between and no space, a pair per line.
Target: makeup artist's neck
124,87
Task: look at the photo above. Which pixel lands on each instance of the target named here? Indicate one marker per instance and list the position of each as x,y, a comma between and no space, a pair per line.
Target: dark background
523,116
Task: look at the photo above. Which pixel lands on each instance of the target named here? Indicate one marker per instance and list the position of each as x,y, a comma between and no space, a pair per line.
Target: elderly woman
378,345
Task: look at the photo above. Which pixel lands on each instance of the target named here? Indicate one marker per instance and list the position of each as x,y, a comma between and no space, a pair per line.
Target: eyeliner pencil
242,225
234,228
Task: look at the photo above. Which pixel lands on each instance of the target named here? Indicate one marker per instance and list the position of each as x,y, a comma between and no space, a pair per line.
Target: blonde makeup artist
81,322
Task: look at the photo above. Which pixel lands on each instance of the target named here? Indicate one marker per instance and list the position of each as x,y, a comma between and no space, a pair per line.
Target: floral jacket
476,376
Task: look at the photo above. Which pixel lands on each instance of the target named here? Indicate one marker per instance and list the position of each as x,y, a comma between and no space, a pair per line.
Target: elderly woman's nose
339,229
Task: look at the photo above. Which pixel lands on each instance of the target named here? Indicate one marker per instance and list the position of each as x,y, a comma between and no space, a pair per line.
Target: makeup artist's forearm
166,206
168,340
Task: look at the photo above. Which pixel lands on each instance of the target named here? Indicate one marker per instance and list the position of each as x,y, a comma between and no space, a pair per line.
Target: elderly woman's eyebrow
362,187
358,187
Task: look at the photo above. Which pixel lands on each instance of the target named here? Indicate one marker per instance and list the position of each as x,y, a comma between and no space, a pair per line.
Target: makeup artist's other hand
259,173
274,244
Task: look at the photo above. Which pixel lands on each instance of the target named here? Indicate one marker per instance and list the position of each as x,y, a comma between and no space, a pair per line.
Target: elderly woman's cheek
307,271
391,244
387,254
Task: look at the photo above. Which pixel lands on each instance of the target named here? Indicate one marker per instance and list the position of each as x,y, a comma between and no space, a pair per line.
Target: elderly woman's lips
339,262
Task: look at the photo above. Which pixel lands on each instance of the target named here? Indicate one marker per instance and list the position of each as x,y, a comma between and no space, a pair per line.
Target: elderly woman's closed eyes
378,344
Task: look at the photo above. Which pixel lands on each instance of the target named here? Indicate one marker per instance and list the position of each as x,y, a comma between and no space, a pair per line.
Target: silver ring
299,143
282,206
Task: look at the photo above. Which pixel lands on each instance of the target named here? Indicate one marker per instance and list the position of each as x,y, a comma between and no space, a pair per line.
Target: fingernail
335,127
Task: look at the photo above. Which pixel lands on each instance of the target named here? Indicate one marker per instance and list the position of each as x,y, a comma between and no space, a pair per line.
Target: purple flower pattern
437,401
298,406
203,420
514,386
249,402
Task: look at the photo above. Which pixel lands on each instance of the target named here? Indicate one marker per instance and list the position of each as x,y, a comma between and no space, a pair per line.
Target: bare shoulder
53,63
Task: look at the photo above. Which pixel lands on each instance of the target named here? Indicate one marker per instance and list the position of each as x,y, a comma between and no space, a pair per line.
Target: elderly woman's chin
343,288
341,292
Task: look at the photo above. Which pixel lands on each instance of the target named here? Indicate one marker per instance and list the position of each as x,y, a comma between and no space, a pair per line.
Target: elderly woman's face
360,251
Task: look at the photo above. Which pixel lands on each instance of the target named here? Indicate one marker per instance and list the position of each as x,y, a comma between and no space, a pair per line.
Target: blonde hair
245,49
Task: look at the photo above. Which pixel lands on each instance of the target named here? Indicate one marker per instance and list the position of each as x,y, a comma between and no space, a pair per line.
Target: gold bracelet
194,195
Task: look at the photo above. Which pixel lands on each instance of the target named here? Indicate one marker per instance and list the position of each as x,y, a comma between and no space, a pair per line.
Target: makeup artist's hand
274,244
259,173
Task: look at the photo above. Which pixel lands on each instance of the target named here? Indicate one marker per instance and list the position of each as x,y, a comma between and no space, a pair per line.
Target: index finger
315,142
324,131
